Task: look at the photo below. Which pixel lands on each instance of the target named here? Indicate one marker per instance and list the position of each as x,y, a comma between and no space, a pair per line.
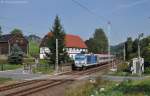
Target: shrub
3,61
28,60
43,61
147,70
124,67
16,55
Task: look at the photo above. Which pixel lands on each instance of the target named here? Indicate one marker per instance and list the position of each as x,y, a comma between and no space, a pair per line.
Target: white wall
43,50
71,51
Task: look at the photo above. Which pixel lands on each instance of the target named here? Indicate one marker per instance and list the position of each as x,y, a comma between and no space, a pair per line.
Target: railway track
88,71
32,88
12,86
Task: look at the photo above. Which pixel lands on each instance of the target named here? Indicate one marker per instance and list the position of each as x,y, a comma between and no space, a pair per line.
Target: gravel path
19,74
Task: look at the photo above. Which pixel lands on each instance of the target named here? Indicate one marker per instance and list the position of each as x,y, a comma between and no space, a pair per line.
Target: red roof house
74,45
74,41
71,41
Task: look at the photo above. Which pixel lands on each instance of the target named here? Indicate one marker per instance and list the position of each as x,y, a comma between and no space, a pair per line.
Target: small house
8,40
73,43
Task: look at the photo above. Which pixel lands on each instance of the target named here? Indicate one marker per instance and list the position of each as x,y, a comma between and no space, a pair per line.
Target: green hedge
29,60
3,61
25,60
147,70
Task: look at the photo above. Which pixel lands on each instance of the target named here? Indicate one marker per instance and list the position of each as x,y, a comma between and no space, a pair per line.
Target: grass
122,73
10,66
122,70
82,90
3,80
43,70
111,88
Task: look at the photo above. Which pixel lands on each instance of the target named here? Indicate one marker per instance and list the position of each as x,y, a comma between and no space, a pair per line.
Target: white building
74,44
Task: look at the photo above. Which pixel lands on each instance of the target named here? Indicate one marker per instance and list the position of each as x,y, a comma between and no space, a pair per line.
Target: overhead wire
89,10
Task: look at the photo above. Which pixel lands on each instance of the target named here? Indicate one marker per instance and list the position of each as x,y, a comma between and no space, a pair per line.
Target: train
83,61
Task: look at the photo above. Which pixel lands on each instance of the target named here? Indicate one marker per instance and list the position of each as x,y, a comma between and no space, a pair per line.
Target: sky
80,17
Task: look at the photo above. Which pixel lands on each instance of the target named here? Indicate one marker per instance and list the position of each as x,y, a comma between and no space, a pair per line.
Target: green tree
16,32
90,43
1,31
57,33
135,46
145,48
132,48
16,55
33,48
99,42
146,53
128,44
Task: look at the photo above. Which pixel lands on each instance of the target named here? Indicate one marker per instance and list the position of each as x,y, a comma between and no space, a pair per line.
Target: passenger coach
83,61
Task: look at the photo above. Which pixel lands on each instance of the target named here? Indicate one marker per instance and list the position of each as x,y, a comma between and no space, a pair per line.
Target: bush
3,61
16,55
15,59
28,60
147,70
124,67
43,61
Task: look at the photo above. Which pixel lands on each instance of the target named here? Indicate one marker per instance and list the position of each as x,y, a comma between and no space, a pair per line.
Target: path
18,74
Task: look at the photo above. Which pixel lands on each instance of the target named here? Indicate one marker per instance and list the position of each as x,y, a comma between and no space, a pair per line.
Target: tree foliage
1,31
16,55
128,45
16,32
57,33
33,48
99,42
132,48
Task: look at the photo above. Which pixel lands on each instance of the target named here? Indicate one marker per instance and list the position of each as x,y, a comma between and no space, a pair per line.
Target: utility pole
139,53
56,65
124,52
109,29
139,50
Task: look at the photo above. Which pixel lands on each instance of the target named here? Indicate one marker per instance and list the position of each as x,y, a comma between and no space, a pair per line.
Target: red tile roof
72,41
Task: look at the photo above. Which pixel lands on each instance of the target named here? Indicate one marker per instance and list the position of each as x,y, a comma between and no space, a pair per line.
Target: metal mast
56,65
109,29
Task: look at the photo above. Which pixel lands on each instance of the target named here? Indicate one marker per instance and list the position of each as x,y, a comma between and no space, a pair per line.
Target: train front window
79,58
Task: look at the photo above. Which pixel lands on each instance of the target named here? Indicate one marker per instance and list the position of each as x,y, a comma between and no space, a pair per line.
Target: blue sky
128,17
